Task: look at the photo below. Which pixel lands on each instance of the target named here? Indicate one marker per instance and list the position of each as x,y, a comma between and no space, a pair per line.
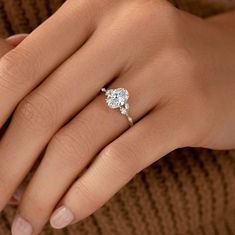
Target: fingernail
21,227
17,35
61,218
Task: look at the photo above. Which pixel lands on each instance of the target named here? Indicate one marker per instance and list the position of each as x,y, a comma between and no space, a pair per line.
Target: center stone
116,98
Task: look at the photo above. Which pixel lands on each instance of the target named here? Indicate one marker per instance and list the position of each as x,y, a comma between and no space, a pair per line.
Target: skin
6,46
178,68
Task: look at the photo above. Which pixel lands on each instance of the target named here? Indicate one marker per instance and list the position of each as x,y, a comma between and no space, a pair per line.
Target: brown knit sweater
189,192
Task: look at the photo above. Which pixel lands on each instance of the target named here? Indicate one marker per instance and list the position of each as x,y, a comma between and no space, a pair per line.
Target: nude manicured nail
61,218
21,227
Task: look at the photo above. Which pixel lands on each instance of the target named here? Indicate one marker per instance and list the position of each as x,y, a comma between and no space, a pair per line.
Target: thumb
16,39
10,42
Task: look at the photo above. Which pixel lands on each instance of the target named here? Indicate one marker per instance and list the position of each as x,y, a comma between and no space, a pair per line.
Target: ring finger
117,164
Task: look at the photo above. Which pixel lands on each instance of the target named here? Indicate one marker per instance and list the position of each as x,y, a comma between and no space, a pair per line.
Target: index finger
25,66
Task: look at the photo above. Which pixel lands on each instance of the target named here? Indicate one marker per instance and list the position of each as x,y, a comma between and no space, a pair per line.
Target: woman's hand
178,69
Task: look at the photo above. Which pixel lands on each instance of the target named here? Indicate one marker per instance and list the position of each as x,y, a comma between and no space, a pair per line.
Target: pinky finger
115,166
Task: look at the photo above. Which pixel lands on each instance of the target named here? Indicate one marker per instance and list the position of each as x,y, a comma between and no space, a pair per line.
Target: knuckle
89,196
184,60
86,9
180,75
12,73
66,145
73,143
161,18
153,9
122,158
9,71
36,112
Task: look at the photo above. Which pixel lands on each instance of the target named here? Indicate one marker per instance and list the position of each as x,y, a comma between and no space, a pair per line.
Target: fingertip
21,226
14,40
61,218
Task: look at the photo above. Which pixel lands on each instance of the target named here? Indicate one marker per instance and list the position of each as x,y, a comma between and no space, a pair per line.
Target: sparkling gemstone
124,111
127,106
116,98
130,120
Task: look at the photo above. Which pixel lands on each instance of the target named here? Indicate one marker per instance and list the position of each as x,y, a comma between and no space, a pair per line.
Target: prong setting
117,99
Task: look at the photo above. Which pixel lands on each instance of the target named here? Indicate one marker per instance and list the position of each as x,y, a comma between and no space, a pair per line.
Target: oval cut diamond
116,98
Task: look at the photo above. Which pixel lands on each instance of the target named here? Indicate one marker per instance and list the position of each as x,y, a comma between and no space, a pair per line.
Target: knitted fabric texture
188,192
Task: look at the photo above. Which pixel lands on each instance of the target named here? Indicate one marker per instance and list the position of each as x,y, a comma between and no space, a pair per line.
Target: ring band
117,99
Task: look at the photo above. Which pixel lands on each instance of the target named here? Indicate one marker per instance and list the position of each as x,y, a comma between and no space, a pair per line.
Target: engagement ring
117,99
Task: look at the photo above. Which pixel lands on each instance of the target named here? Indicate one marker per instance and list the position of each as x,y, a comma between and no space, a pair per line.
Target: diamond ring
117,99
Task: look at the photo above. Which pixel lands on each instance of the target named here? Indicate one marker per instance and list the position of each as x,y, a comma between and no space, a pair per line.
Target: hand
179,70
